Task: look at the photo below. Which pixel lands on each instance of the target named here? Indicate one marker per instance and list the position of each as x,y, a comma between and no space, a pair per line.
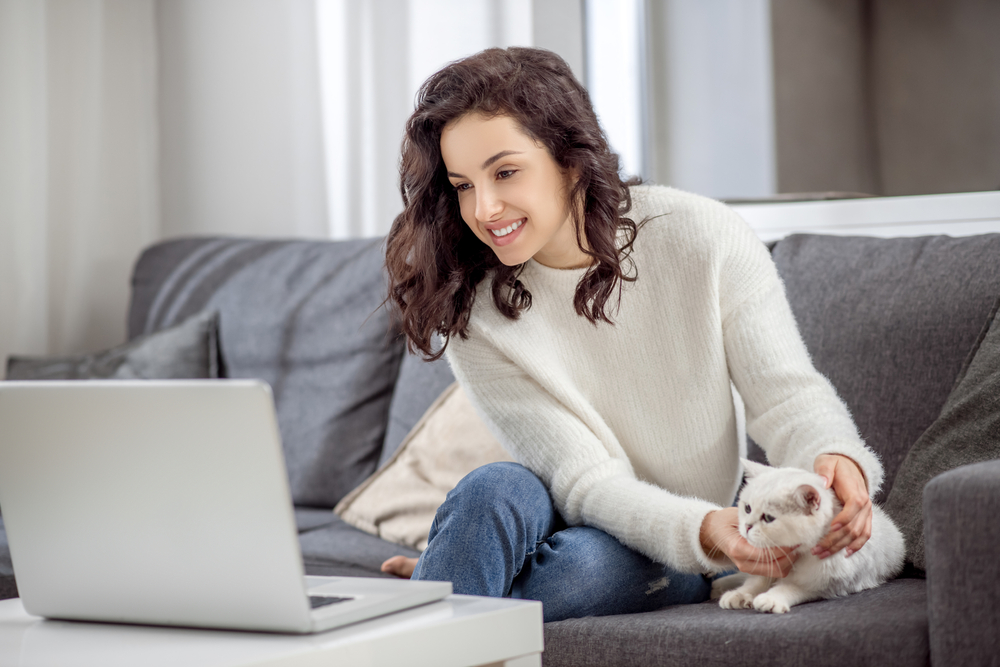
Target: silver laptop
165,503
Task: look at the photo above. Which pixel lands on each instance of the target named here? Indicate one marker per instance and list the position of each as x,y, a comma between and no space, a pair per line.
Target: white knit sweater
632,427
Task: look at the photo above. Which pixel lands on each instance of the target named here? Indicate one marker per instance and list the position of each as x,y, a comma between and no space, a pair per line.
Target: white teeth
506,230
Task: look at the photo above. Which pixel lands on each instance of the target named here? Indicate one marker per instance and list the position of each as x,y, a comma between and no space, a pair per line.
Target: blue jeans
498,534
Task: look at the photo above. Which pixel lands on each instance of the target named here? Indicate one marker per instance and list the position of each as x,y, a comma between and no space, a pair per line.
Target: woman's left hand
853,526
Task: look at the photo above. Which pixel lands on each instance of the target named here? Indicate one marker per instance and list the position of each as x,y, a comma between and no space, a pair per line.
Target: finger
853,535
861,540
851,518
825,467
847,535
775,563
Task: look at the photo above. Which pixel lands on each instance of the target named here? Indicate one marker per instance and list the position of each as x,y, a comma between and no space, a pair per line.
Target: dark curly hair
434,261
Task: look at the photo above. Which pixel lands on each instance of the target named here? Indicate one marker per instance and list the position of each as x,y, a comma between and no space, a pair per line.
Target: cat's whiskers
764,544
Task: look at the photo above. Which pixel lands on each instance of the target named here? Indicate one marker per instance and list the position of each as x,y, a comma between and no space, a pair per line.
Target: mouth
506,234
504,231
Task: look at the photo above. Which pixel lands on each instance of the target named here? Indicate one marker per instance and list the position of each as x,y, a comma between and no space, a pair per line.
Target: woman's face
512,194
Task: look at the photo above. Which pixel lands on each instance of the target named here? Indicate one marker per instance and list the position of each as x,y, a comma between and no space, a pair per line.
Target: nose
488,204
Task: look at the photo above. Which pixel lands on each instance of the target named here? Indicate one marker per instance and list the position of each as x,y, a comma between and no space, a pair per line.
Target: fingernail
848,552
826,482
817,551
835,527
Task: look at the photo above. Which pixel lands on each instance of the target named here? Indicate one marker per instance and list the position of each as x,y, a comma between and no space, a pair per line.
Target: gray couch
890,322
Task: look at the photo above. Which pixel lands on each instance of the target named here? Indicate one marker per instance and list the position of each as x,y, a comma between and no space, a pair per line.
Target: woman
600,351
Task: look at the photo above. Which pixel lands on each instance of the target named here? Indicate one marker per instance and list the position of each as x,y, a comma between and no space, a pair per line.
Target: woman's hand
853,526
720,533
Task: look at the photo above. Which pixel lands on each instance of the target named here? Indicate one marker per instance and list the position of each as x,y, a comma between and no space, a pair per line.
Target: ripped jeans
497,534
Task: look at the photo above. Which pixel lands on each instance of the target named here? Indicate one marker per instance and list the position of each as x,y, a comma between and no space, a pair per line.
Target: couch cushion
884,626
890,322
339,549
399,501
967,431
187,350
304,316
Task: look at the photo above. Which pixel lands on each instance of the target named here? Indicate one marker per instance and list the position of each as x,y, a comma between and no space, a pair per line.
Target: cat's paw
730,582
736,600
771,604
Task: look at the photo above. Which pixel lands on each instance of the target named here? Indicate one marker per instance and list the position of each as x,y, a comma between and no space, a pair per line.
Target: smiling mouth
506,230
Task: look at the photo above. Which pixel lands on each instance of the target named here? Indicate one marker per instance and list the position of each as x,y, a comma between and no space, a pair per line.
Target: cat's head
782,507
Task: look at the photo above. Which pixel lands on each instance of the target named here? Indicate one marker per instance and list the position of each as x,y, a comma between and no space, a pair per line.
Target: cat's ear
751,468
808,498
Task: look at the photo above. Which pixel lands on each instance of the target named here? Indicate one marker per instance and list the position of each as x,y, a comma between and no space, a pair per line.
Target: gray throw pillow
967,431
187,350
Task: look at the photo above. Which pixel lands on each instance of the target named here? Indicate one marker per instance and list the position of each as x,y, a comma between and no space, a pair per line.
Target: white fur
785,495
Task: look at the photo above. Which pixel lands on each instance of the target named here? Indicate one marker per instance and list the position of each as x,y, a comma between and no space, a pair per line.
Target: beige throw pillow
398,502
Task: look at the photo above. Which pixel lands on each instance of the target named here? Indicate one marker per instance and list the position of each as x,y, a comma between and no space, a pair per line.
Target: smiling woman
498,103
517,200
599,351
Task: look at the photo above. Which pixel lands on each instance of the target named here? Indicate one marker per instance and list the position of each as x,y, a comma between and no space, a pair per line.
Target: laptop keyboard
317,601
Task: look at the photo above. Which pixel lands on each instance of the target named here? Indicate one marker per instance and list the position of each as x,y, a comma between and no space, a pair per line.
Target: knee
498,494
498,486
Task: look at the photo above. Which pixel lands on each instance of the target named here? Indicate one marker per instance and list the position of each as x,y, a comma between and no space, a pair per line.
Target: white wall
239,118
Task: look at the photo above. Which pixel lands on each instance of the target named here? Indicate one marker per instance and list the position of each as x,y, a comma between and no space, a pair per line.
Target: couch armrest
962,545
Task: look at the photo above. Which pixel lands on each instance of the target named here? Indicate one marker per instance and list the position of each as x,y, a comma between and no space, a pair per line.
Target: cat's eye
746,508
766,518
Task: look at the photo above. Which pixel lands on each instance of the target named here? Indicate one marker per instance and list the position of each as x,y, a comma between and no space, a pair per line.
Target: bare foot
401,566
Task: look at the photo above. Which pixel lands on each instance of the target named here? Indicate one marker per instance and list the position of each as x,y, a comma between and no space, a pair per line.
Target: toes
768,604
735,600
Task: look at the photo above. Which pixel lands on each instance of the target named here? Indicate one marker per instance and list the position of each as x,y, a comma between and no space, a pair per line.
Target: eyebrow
488,162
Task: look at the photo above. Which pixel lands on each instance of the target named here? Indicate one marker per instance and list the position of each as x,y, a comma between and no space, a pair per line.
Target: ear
808,498
751,468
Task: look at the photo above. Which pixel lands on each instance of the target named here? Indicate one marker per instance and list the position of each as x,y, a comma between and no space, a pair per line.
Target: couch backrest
890,322
305,317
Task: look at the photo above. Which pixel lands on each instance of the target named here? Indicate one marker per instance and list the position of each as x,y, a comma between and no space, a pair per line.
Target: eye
462,187
766,518
746,508
506,173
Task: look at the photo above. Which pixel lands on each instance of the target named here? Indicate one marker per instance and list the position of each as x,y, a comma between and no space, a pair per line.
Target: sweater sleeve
588,483
793,412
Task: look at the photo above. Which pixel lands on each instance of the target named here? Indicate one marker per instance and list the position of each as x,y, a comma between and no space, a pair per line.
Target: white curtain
373,57
78,169
684,90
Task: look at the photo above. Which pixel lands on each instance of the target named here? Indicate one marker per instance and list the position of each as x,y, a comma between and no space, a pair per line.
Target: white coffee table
459,631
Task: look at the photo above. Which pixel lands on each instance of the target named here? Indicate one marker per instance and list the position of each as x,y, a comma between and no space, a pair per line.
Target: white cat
784,507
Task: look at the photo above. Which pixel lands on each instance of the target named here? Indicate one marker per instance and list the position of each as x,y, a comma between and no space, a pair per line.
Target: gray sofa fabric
188,349
332,547
417,387
962,542
890,322
339,549
880,627
967,431
305,317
